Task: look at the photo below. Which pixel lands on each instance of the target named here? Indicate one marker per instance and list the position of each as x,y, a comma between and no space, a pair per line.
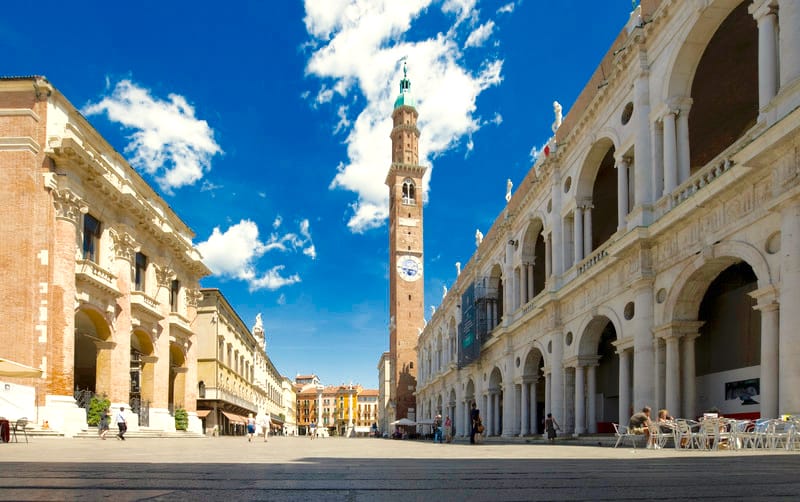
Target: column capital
623,345
122,242
69,206
760,9
679,104
678,329
766,298
582,361
623,161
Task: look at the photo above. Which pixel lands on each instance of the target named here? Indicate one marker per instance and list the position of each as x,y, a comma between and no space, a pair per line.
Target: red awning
233,417
203,413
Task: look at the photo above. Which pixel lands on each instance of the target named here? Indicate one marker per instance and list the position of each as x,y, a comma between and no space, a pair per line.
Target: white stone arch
587,337
527,240
694,36
683,299
527,355
590,165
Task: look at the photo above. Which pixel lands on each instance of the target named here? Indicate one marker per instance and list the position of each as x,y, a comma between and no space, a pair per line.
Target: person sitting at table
639,423
665,421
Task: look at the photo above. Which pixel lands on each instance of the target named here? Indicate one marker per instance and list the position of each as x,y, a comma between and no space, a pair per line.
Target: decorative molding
69,207
19,143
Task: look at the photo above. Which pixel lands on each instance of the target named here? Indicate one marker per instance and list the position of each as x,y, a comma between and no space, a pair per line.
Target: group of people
476,432
265,423
442,433
640,423
104,424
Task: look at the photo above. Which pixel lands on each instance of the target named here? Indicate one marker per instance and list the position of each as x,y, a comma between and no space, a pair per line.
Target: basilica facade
102,279
651,256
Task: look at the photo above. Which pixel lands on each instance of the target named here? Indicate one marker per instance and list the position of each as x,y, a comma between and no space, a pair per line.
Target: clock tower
406,288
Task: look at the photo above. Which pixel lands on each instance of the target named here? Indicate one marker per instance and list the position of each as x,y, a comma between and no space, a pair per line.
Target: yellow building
235,375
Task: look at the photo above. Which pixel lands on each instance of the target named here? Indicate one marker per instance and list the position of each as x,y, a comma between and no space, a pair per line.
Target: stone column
643,359
534,416
548,404
555,224
557,378
525,408
789,29
670,152
580,400
789,319
643,171
489,415
587,229
622,192
689,381
770,362
548,257
624,386
577,221
509,411
591,384
658,373
531,291
684,157
523,285
657,159
765,15
673,376
69,211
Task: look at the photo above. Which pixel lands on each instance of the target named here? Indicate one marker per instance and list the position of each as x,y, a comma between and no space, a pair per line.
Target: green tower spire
405,98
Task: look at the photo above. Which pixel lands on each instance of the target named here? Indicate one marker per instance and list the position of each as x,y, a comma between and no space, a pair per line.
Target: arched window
409,192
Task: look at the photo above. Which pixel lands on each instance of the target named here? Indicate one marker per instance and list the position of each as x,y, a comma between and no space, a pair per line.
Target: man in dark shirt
640,424
475,417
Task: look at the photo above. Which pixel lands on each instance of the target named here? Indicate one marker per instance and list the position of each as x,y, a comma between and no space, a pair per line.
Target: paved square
381,469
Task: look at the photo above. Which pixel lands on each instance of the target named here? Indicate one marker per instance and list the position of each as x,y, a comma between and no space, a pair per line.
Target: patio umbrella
403,421
11,369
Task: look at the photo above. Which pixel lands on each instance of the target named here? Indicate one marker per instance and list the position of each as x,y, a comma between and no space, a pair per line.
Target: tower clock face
409,267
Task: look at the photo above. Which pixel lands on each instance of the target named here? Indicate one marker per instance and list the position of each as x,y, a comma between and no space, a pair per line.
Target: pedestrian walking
102,427
251,427
475,417
266,423
551,426
122,424
313,431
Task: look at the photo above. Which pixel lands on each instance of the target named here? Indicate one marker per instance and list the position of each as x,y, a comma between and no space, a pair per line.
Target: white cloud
168,141
235,254
355,48
480,35
506,9
277,222
208,186
281,299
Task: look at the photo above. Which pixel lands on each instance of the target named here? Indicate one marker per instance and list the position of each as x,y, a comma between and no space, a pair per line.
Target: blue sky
265,126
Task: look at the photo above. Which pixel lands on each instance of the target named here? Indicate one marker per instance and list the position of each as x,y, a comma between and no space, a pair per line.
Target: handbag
480,429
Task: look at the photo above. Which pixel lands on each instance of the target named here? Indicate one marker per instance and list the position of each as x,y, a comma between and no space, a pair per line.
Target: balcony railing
93,274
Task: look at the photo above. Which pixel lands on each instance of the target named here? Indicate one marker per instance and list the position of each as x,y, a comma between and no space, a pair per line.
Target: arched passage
728,350
724,90
598,344
533,394
596,196
532,277
142,375
716,350
495,403
93,346
177,377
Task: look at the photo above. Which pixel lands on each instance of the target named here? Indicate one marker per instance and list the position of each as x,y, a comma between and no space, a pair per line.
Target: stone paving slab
376,469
